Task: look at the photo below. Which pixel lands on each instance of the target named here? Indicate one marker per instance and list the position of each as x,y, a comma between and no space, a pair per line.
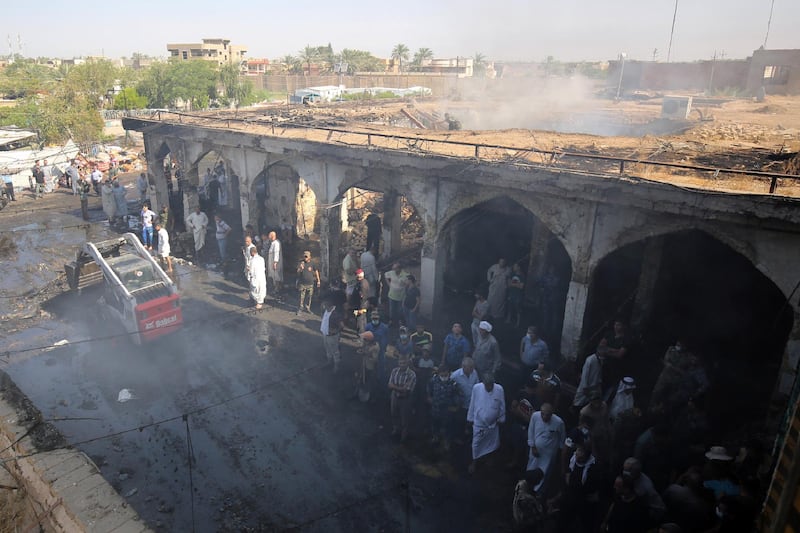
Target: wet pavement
236,424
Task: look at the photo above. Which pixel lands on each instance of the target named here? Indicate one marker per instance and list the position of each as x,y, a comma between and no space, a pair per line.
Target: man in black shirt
307,279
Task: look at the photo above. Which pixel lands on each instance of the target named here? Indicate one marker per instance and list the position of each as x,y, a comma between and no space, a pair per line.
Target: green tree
479,64
235,89
25,78
422,55
326,58
360,61
400,53
192,82
129,98
291,64
94,79
195,82
308,55
157,86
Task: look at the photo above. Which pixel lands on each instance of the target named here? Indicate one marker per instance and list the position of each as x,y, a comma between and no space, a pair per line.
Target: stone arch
691,285
548,214
281,196
472,238
641,232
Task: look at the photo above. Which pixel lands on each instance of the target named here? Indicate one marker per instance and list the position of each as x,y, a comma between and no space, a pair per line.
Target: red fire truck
136,290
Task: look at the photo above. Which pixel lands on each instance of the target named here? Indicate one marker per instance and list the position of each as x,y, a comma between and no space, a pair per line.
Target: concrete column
392,222
329,242
573,319
431,282
648,277
191,198
540,238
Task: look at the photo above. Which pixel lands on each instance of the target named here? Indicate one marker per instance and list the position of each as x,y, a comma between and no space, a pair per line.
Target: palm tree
422,55
309,54
479,64
400,53
291,65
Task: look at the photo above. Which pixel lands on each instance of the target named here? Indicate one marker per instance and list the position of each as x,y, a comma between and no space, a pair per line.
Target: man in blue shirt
533,350
380,332
8,183
456,347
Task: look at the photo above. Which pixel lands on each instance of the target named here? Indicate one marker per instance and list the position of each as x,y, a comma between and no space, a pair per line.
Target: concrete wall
786,59
696,76
63,485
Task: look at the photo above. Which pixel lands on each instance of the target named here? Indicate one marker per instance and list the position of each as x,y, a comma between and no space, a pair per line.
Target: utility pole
672,31
711,78
769,23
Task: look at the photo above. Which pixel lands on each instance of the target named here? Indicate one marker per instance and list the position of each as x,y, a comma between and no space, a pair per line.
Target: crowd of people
608,457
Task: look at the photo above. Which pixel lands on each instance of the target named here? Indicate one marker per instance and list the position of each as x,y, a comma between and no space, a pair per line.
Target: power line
672,31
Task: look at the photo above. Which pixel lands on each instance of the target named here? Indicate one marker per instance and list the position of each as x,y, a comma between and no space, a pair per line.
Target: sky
521,30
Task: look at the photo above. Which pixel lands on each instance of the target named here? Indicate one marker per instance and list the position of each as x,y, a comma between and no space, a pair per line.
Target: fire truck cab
136,290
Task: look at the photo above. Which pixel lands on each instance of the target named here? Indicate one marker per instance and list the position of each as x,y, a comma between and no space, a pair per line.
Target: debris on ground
125,395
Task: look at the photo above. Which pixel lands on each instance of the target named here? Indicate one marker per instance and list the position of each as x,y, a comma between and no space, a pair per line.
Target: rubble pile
793,165
743,132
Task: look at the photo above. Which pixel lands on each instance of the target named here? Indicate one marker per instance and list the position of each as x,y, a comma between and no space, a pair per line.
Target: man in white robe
487,408
275,261
248,255
163,246
370,268
258,278
109,203
197,223
498,276
119,199
546,437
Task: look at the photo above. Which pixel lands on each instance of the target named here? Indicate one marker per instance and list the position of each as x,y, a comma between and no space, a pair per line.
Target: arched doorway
475,238
691,287
284,201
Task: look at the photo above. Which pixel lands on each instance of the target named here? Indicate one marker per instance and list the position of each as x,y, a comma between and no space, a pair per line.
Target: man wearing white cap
623,399
487,351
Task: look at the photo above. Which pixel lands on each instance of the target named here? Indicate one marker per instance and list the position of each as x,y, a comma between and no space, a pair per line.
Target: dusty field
737,134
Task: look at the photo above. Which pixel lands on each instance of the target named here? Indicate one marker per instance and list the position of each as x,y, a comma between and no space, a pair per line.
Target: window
776,75
185,54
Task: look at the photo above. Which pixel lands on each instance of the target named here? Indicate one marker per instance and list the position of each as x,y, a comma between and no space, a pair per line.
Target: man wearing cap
331,327
623,399
487,351
308,278
380,332
719,472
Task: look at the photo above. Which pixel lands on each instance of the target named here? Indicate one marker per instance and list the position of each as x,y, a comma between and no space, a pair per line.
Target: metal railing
558,159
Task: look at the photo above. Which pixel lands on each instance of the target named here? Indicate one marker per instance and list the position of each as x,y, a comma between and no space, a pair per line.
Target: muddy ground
272,439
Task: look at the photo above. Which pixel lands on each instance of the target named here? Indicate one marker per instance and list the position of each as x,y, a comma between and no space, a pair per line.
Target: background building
220,51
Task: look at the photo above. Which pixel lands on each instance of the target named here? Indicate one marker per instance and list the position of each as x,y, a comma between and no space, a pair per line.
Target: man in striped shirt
401,384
